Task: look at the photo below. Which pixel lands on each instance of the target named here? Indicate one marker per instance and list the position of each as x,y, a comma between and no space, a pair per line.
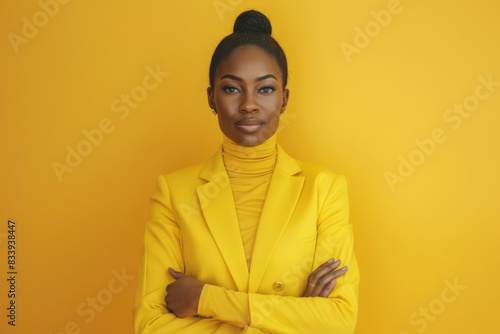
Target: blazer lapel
282,196
216,199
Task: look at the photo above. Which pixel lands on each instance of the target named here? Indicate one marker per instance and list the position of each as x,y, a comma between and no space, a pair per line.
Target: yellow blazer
194,229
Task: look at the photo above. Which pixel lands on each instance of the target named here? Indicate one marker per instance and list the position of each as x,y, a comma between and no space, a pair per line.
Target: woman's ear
286,95
210,97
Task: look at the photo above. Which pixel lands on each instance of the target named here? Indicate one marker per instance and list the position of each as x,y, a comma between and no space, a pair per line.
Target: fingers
322,271
327,289
322,280
317,274
183,295
326,284
331,281
169,298
326,267
175,274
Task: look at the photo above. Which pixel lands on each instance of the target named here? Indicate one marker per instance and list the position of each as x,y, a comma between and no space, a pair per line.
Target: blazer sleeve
162,248
286,314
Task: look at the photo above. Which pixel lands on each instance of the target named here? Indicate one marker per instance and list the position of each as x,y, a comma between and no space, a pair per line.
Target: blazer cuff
203,307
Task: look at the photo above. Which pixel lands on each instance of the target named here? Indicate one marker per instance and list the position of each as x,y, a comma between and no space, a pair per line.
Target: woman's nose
249,103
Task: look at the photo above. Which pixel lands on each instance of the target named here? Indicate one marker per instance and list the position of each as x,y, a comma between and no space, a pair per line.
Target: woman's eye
267,90
229,89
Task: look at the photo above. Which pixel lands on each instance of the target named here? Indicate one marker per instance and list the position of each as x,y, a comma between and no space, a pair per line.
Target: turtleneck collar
242,161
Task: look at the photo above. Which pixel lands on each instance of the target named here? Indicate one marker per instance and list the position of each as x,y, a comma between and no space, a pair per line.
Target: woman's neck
242,161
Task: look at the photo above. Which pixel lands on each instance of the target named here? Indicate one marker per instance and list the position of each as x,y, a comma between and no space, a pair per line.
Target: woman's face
248,95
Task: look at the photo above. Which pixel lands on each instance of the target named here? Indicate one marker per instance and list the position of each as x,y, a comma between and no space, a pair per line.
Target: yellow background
359,114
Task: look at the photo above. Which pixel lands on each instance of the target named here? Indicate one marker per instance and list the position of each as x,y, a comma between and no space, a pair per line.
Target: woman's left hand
183,295
321,282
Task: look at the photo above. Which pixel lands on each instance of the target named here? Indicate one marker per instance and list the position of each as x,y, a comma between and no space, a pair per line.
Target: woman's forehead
249,62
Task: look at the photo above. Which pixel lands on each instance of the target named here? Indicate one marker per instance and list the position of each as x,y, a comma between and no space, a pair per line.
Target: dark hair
250,28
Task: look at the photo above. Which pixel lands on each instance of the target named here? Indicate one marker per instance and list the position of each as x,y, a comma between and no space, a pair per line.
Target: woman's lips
249,125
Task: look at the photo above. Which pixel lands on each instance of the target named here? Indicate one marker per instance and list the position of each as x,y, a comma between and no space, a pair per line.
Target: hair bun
252,21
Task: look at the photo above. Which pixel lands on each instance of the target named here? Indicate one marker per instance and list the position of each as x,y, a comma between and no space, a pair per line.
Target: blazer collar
217,203
284,163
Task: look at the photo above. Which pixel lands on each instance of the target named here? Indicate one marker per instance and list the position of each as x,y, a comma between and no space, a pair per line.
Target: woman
251,240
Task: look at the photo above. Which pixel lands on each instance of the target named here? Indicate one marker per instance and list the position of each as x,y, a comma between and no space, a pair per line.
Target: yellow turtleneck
249,170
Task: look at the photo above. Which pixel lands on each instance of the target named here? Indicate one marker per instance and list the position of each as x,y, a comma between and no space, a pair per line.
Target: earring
215,112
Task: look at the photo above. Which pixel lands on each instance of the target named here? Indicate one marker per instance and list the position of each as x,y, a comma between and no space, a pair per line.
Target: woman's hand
321,282
183,295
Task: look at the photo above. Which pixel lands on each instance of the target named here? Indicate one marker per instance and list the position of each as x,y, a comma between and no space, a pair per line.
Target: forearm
224,305
286,314
151,317
282,314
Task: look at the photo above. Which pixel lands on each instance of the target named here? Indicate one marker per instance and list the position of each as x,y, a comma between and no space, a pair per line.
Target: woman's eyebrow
234,77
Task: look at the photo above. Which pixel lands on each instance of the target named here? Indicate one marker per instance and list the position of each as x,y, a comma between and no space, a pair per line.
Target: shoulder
321,176
312,170
193,175
184,173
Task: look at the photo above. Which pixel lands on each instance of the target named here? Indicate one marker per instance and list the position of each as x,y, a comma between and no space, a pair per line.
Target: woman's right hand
321,282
